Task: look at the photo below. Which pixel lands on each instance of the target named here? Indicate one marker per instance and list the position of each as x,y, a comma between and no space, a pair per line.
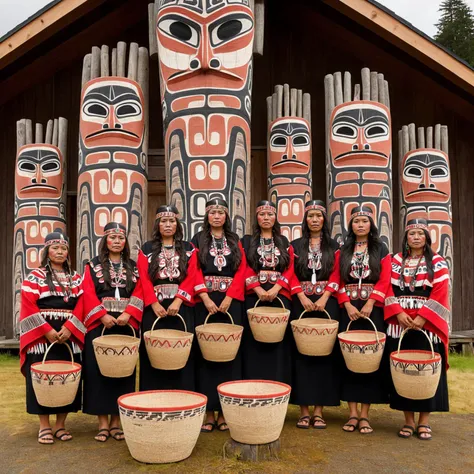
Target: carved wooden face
205,44
426,176
360,135
112,113
289,147
39,172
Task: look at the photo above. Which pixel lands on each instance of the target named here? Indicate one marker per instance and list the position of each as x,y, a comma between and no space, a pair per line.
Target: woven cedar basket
219,342
415,373
268,324
55,382
116,354
362,350
254,410
168,349
315,336
162,426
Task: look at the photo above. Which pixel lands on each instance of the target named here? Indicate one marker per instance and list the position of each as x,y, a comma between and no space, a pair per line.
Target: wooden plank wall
300,51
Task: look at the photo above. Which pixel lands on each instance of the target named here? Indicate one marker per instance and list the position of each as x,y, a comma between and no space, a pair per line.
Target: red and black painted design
205,59
112,179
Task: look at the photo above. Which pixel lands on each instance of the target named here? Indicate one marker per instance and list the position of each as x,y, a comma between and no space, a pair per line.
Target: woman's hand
64,334
272,293
419,322
404,320
173,308
352,311
307,304
108,321
52,336
366,310
159,311
224,306
209,304
320,304
122,320
261,293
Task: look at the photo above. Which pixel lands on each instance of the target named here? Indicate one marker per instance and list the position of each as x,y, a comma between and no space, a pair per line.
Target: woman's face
58,253
115,242
315,220
416,239
217,218
168,226
361,226
266,219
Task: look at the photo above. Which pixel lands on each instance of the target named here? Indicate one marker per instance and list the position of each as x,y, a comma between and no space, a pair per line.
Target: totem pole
40,196
359,151
205,59
113,147
425,182
289,156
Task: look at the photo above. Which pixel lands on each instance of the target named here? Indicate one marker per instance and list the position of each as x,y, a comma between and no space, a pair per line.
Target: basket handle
277,298
177,314
228,314
128,324
371,322
51,345
323,310
424,332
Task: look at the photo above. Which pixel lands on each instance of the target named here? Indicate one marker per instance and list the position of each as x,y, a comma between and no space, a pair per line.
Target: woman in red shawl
418,298
49,314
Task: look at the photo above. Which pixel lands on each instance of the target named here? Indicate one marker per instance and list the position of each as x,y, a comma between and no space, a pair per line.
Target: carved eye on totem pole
198,50
290,147
39,171
112,113
360,135
426,176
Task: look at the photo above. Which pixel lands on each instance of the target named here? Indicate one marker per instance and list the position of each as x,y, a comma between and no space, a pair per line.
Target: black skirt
366,388
440,402
57,352
100,392
157,379
316,380
263,360
210,374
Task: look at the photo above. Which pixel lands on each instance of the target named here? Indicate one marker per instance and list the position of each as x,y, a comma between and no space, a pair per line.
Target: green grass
461,362
8,358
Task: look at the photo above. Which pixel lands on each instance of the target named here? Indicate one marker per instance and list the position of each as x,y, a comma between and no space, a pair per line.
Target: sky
421,13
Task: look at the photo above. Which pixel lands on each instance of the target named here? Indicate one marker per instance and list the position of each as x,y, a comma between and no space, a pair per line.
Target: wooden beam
44,26
389,28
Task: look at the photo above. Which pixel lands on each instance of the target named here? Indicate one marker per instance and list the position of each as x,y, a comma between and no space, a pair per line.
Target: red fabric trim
236,289
148,291
335,276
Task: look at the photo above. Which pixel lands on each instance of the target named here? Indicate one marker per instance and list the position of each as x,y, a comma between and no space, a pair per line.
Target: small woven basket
362,350
168,349
116,354
268,324
55,382
415,373
162,426
315,336
254,410
219,342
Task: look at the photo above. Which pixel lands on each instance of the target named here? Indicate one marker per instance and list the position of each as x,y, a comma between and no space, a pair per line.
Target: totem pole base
251,452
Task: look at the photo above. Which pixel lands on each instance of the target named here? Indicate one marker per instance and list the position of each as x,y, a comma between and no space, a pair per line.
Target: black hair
427,253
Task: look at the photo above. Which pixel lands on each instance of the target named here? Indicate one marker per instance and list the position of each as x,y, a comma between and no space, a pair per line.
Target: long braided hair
52,239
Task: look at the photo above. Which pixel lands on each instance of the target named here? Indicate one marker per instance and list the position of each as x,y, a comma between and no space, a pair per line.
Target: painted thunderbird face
289,147
39,172
205,44
426,176
112,113
360,135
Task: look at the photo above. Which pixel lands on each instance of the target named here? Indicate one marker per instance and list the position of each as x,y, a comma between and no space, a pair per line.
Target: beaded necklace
168,262
411,274
268,253
315,255
116,276
219,253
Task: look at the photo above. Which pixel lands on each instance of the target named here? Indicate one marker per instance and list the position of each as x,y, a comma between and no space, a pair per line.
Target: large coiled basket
268,324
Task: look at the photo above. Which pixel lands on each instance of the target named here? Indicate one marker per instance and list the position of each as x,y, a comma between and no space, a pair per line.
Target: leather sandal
211,424
222,426
318,423
352,427
45,436
424,435
119,435
103,433
301,422
368,427
407,431
61,436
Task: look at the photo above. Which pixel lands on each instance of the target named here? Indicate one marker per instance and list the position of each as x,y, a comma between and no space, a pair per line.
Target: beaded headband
416,225
166,214
115,230
56,241
217,207
362,214
265,207
315,207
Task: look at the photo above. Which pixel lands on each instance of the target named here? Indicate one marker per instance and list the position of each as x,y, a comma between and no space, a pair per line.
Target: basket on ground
55,382
116,354
168,349
268,324
254,410
362,350
315,336
219,342
415,373
162,426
